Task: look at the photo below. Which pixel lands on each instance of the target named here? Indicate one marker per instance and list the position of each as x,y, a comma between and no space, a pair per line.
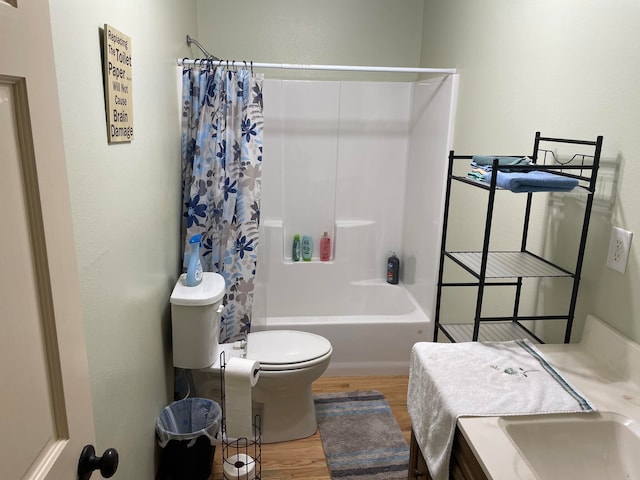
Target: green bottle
296,251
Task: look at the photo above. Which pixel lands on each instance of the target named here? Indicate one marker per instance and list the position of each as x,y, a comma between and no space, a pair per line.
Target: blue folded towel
488,160
535,181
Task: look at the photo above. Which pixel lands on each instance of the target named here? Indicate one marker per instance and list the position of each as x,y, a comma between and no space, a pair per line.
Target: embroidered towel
447,381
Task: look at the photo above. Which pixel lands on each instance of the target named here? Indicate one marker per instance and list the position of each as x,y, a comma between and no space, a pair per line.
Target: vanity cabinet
559,161
463,465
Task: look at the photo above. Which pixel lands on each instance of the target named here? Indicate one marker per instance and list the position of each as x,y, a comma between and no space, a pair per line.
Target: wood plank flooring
304,459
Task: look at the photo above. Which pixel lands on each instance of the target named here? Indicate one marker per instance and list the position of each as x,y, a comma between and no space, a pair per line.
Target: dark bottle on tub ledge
393,269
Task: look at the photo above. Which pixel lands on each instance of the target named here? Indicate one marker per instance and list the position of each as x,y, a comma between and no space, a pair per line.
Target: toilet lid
283,347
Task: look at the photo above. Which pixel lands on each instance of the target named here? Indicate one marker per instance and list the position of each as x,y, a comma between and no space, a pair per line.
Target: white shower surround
365,161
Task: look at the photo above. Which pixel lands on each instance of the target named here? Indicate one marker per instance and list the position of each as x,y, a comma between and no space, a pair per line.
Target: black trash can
187,431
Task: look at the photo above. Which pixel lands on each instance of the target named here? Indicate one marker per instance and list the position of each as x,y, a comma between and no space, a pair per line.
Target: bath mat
361,437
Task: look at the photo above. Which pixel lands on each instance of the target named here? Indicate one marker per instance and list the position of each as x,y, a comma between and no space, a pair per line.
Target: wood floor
304,459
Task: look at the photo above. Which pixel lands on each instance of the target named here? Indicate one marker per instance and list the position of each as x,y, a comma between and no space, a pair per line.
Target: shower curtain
221,168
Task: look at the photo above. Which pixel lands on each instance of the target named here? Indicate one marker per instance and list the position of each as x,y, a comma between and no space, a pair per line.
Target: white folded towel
447,381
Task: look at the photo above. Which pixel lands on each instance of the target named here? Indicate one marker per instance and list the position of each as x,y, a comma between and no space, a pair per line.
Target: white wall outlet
619,249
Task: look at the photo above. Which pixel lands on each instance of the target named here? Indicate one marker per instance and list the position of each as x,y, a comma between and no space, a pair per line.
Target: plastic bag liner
189,419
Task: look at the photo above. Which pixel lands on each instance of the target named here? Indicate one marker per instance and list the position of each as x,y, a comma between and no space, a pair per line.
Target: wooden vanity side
417,465
463,465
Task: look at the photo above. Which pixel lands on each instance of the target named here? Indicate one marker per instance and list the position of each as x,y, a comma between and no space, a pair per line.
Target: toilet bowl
290,361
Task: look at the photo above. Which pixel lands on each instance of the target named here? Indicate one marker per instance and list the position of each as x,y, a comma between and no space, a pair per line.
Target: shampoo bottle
307,248
325,248
194,269
295,251
393,269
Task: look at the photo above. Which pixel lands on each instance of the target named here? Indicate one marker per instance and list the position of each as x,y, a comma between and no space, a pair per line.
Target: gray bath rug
361,437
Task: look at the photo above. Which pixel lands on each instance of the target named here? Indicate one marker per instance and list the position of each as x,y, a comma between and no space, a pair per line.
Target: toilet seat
279,350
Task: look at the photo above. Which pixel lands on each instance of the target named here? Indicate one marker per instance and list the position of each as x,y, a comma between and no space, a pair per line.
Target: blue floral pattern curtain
222,125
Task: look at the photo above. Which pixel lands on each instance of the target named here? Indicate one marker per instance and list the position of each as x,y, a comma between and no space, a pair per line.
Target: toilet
290,361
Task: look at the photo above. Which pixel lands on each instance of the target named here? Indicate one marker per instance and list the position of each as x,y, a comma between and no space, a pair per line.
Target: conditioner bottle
307,248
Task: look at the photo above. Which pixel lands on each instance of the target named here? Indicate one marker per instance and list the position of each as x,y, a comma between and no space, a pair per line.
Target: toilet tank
195,321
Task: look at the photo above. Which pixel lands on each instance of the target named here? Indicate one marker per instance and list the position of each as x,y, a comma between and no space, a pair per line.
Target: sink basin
584,445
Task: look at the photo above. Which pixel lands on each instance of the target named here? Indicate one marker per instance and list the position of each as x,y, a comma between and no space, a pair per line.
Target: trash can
187,432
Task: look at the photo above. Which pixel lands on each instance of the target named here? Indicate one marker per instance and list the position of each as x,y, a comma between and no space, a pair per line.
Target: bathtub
371,326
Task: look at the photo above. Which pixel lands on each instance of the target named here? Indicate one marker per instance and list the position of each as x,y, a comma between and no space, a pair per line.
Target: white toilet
289,360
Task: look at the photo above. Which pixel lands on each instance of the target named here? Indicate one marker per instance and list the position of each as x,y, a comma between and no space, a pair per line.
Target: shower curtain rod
296,66
300,66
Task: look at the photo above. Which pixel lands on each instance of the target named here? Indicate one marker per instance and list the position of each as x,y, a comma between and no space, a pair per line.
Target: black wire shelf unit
508,268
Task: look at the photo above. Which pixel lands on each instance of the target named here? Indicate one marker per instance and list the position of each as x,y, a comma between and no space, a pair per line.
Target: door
45,404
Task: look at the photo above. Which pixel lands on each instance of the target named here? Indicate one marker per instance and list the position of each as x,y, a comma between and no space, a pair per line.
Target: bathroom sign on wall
117,85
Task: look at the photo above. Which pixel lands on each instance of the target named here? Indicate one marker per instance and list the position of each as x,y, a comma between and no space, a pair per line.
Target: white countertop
604,367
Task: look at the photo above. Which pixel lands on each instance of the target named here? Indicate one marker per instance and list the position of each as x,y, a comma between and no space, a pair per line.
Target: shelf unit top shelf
508,265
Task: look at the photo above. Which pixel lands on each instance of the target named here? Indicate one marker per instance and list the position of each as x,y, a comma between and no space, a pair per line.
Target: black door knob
107,463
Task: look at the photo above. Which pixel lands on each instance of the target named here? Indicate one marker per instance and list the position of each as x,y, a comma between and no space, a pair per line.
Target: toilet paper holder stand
241,457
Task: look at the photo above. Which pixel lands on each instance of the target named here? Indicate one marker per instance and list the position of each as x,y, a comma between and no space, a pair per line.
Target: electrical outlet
619,249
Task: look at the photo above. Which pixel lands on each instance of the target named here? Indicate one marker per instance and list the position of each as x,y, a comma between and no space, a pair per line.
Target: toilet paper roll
239,467
240,375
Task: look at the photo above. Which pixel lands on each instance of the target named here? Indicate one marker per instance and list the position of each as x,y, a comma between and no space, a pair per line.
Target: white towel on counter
447,381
